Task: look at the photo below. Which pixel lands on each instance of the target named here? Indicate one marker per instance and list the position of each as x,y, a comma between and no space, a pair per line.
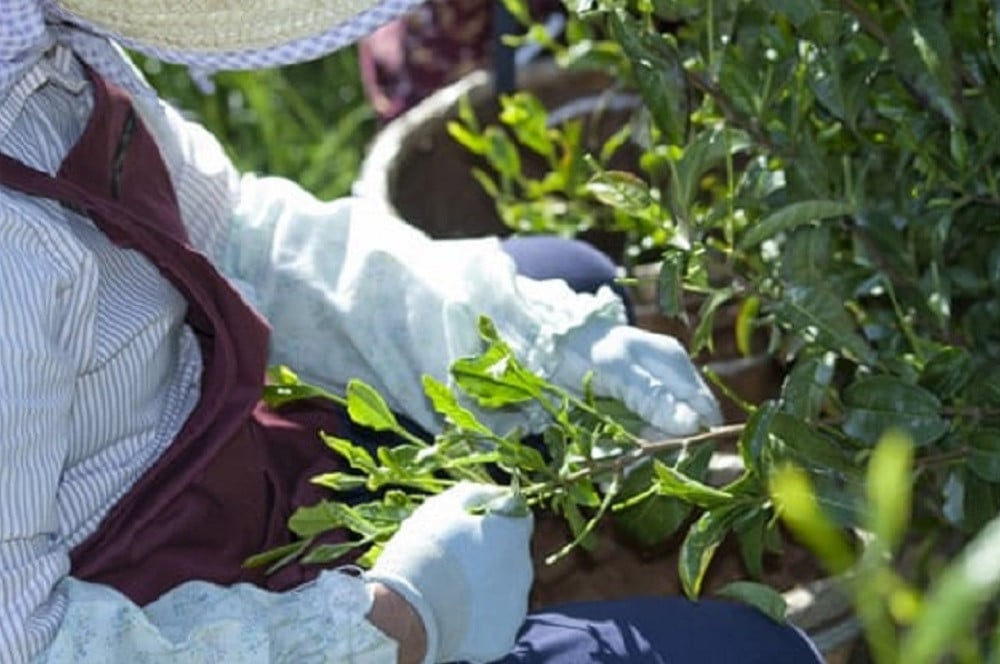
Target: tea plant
586,465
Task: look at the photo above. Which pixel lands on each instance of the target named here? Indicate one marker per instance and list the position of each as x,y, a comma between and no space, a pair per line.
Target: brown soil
619,569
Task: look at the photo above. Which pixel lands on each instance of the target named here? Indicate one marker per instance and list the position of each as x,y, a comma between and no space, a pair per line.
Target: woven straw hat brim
211,26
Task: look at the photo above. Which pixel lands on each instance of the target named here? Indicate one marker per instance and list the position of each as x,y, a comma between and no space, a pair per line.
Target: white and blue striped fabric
98,371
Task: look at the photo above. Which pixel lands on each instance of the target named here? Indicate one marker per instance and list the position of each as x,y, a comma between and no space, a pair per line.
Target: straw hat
216,25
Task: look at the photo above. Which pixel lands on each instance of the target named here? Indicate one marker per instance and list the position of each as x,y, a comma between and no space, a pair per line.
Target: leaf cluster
829,168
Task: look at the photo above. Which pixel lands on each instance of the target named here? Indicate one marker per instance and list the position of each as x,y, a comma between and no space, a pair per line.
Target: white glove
650,373
467,575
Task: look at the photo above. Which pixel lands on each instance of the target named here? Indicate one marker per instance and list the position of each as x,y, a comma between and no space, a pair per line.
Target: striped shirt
98,370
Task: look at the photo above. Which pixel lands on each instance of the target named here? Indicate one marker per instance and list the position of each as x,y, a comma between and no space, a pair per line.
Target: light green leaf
355,455
745,321
366,407
798,507
329,553
765,599
495,379
792,216
622,190
328,515
277,556
700,545
956,598
339,481
888,487
673,483
446,403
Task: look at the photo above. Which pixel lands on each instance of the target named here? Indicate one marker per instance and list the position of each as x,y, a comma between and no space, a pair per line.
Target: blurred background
310,122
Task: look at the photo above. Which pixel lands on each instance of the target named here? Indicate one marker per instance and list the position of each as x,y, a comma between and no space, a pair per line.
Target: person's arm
354,292
45,615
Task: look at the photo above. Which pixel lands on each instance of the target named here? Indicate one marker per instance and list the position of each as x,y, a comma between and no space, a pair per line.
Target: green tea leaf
947,372
658,72
819,316
339,481
791,216
700,545
329,553
528,119
278,555
984,460
670,283
495,379
879,403
754,437
794,439
956,598
366,407
797,505
673,483
745,320
806,387
888,487
623,191
765,599
446,403
355,455
328,515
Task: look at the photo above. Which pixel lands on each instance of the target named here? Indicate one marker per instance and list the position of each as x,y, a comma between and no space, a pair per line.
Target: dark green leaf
750,536
819,316
367,407
984,460
794,439
670,289
924,56
754,437
807,385
948,372
792,216
658,71
879,403
765,599
707,151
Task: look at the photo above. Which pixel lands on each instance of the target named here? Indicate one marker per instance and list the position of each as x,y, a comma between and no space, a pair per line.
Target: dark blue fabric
577,263
659,630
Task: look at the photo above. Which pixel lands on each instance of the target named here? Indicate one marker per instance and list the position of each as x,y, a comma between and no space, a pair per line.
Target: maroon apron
227,484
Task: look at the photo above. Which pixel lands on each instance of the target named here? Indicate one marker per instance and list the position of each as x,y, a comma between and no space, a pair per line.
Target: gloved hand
467,575
650,373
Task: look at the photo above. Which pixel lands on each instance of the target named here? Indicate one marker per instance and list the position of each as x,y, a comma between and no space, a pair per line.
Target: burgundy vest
227,484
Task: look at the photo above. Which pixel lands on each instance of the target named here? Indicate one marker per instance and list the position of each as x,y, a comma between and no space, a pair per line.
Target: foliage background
309,122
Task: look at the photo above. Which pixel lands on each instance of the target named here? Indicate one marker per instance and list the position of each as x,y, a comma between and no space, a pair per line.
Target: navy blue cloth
659,630
577,263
